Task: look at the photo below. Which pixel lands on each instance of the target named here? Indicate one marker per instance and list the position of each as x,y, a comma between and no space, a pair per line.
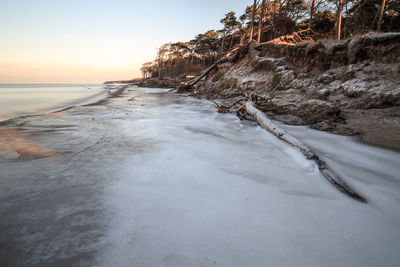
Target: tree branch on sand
334,179
248,105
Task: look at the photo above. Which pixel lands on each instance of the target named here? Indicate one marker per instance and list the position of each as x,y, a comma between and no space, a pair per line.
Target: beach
147,177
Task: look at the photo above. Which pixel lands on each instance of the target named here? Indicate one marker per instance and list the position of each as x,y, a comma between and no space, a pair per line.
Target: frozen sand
156,179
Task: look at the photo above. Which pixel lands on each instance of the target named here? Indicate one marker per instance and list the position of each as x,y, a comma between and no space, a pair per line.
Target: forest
266,20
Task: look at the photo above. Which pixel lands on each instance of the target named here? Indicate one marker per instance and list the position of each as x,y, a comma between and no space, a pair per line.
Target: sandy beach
152,178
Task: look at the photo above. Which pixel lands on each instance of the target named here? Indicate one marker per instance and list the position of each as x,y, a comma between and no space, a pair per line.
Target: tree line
266,20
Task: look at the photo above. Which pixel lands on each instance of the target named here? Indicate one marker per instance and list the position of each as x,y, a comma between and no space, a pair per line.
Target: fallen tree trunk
268,125
196,80
186,86
227,57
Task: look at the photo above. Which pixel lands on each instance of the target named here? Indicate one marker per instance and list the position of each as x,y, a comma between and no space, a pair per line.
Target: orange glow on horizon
61,73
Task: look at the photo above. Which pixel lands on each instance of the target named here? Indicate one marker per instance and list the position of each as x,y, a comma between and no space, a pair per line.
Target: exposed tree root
227,109
296,37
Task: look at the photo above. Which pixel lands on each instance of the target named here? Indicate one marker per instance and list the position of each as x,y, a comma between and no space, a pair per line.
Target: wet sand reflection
13,141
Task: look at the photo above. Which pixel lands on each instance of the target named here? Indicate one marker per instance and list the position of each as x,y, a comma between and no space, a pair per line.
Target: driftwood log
268,125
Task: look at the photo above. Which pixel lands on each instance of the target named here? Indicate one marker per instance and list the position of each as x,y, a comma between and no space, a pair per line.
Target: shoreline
111,95
15,142
87,101
372,138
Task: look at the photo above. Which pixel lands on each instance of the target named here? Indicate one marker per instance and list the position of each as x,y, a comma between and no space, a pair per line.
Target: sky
91,41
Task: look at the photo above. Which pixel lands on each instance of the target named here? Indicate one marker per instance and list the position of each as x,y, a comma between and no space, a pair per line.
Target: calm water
20,99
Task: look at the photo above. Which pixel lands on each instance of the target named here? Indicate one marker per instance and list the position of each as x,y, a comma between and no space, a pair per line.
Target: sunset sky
90,41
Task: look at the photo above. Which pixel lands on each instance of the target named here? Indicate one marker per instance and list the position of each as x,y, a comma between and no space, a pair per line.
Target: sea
26,99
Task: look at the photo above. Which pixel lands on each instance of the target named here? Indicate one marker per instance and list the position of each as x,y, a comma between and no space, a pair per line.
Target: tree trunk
381,15
356,14
221,49
339,20
373,22
285,3
346,21
311,13
266,123
231,43
260,25
252,20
